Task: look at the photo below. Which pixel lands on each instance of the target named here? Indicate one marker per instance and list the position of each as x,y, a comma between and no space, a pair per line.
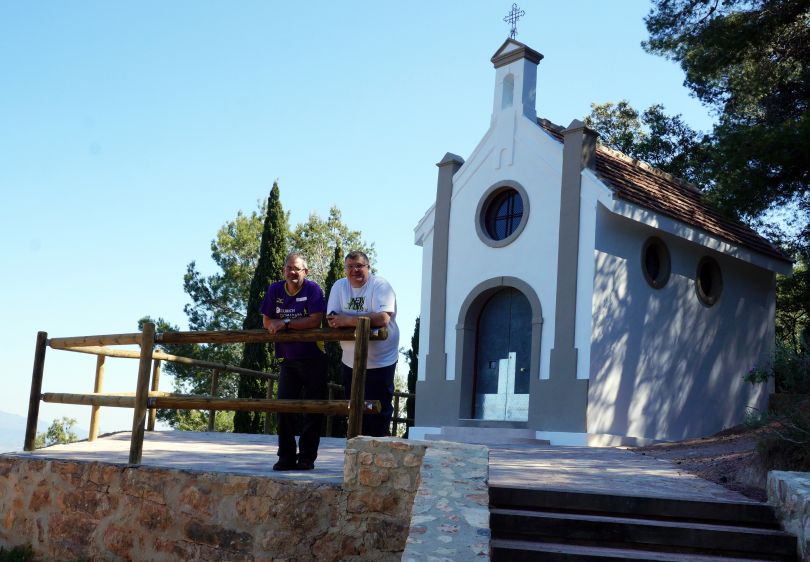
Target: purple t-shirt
278,303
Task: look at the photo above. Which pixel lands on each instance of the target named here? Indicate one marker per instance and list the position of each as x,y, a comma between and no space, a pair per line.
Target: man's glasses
356,266
294,269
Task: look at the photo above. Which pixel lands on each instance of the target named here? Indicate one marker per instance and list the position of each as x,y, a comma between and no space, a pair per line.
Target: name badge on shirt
300,299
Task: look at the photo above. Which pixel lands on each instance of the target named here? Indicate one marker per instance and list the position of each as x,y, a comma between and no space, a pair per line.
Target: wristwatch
286,323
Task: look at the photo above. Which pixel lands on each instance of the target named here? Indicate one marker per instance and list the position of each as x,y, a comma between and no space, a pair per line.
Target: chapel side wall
663,365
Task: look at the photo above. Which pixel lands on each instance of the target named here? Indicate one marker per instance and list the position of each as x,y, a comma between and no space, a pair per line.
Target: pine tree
332,348
256,356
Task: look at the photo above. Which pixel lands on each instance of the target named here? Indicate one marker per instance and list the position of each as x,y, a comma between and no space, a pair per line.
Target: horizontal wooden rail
259,336
159,355
108,339
112,399
220,336
330,407
178,402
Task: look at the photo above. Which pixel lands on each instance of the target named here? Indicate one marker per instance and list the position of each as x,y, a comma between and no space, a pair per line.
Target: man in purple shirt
297,304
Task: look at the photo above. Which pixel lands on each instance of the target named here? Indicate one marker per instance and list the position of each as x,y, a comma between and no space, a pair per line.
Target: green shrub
789,369
17,554
784,432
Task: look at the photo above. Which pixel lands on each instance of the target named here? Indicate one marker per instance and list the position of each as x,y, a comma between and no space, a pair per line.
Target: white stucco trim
561,437
418,433
592,193
425,226
677,228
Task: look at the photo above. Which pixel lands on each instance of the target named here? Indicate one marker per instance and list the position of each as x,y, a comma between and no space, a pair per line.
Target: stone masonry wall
450,518
70,510
789,494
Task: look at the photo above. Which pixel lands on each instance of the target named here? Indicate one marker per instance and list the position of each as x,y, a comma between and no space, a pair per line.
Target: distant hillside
12,431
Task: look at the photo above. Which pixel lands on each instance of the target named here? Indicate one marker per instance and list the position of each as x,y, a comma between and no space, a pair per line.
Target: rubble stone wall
69,510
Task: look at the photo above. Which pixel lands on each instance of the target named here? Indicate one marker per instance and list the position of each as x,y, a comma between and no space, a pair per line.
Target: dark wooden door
503,354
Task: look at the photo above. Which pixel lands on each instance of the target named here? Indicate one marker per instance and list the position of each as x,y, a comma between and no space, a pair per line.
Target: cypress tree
332,348
412,357
256,356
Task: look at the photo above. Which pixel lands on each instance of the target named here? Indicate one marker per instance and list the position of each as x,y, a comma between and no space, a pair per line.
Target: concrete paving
608,470
238,453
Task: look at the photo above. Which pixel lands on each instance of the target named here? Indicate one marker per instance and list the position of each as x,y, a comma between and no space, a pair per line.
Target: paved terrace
450,517
608,470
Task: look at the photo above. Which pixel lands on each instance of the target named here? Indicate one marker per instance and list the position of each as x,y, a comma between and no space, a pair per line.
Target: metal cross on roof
512,17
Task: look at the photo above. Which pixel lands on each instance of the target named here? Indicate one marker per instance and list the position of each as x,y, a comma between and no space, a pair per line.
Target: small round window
655,262
708,281
503,214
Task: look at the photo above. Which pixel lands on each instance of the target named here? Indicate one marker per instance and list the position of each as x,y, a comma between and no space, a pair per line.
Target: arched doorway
503,357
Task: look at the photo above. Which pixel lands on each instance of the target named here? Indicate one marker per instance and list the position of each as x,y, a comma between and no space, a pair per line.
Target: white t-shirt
375,296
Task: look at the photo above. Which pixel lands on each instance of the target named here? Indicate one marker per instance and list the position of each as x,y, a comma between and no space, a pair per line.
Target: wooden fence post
329,419
98,386
357,400
395,419
141,393
36,391
267,418
150,424
214,390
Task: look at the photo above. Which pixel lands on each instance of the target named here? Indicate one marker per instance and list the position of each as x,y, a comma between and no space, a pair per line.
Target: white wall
532,257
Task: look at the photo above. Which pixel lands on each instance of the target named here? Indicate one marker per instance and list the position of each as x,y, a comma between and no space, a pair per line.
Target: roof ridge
643,184
548,125
649,168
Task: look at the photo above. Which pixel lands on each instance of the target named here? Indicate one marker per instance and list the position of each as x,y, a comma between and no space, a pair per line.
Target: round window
708,281
655,262
503,214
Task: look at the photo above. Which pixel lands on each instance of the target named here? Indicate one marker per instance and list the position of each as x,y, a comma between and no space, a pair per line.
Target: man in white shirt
363,294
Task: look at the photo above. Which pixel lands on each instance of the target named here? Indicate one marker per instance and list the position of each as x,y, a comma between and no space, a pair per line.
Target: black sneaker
285,465
304,465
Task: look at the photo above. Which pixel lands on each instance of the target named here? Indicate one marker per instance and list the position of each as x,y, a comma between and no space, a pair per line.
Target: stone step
525,551
630,532
487,435
728,513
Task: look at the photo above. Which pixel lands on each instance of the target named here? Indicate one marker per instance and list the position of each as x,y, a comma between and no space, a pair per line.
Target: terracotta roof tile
643,185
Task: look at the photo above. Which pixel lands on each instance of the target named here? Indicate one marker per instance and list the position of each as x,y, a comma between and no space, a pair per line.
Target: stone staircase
551,525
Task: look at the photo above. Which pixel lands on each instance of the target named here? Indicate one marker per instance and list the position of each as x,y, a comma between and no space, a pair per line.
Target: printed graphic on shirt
290,313
356,304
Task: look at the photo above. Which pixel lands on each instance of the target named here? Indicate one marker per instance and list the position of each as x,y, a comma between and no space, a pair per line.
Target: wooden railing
147,399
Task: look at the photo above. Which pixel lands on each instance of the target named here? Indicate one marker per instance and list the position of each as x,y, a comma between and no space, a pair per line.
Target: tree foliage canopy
257,356
60,432
665,142
748,59
221,300
317,238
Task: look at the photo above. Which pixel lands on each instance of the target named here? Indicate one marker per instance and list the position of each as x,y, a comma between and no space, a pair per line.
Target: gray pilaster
563,401
436,357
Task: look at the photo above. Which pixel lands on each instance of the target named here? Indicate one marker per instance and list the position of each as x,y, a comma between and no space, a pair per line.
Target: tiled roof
639,183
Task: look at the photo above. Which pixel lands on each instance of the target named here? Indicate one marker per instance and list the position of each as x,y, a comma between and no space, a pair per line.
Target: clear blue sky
131,131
